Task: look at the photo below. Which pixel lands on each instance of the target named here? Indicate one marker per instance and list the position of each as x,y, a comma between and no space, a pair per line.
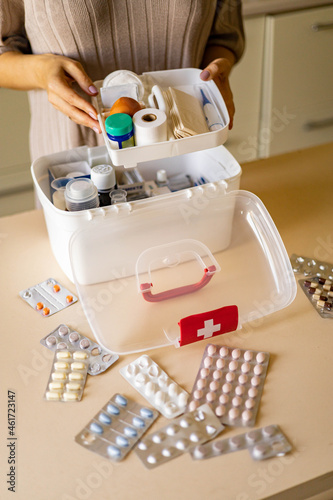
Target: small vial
104,178
118,196
161,178
81,194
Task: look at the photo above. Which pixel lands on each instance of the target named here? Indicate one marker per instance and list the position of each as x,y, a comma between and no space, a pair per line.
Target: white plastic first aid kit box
171,269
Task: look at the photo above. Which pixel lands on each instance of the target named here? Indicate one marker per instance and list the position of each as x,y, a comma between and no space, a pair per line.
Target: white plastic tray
187,80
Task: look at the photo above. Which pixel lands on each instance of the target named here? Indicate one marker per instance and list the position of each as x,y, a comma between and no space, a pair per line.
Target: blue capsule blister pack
116,428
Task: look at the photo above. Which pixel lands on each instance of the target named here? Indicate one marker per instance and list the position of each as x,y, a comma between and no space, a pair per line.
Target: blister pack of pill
311,267
231,380
178,437
64,337
116,428
68,376
320,293
262,443
156,386
48,297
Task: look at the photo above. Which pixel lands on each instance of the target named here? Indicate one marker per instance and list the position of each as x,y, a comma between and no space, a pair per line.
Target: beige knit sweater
106,35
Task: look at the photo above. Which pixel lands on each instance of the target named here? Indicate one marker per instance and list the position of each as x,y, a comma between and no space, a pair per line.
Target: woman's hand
219,71
56,74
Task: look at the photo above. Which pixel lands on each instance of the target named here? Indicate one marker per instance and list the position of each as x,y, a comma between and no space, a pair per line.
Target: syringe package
261,443
48,297
156,386
311,267
64,337
116,428
231,380
320,293
178,437
68,376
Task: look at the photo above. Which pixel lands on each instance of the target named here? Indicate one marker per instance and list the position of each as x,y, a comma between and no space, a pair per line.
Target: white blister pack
311,267
178,437
64,337
48,297
231,380
156,386
116,428
68,376
262,443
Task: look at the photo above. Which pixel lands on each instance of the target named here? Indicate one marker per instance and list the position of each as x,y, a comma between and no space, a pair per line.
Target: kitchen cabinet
297,89
246,86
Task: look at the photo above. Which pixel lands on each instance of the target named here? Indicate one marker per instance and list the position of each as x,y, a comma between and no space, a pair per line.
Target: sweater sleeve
12,31
227,29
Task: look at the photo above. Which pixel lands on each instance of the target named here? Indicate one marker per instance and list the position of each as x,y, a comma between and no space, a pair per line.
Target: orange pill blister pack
48,297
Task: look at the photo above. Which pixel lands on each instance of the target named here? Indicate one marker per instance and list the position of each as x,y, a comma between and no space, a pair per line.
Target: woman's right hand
56,74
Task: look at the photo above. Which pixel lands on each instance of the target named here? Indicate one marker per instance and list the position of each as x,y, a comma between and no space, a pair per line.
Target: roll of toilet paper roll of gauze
150,126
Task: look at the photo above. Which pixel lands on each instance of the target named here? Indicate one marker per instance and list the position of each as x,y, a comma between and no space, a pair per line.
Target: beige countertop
297,190
259,7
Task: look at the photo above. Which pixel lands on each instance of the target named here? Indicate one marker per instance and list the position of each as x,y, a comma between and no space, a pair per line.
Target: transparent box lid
176,269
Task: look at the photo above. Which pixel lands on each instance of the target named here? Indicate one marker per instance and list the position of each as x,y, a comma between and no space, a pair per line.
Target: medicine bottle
104,178
119,129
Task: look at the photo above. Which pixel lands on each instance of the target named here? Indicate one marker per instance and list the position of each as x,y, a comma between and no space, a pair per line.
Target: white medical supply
212,118
156,386
150,126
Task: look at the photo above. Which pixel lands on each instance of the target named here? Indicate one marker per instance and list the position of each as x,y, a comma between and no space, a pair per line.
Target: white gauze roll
150,126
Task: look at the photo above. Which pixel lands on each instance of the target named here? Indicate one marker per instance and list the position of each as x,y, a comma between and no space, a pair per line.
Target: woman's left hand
219,71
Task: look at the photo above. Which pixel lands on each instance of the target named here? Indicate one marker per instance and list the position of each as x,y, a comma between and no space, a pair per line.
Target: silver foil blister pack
68,376
231,381
48,297
64,337
319,291
156,386
262,443
116,428
311,267
178,437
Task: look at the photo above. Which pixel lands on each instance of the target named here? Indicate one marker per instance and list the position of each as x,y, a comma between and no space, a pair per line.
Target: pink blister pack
262,443
231,381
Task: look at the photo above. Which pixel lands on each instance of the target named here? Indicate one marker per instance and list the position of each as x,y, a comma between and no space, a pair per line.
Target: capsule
311,284
324,281
316,296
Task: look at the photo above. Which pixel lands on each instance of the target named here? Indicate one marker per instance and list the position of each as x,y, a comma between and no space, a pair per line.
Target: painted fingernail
93,89
95,129
93,115
204,75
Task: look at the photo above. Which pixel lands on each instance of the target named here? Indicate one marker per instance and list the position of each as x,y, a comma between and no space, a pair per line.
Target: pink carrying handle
176,292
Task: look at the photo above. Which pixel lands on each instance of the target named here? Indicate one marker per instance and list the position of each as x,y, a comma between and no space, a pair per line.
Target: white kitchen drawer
246,82
297,98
